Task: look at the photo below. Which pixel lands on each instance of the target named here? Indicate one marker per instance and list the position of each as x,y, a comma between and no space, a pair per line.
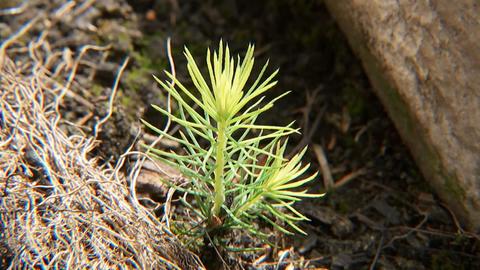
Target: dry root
58,208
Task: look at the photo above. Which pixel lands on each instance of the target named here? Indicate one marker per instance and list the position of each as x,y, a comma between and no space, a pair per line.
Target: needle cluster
226,154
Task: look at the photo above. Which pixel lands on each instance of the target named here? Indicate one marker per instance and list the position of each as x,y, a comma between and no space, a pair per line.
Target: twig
64,9
361,132
309,132
96,128
284,254
149,138
377,254
217,251
411,230
66,89
457,223
84,119
169,98
322,160
349,177
167,207
123,158
297,261
140,162
85,5
15,10
5,189
454,218
16,36
172,84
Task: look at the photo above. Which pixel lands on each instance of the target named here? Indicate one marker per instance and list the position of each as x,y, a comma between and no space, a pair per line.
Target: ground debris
60,206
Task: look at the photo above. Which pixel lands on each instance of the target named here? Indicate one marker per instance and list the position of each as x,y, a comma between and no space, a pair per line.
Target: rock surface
423,60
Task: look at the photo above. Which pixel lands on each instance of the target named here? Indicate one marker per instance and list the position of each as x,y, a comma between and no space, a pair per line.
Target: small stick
71,77
167,207
165,142
322,160
169,97
16,36
377,254
457,224
64,9
84,119
78,11
15,10
140,162
112,97
217,251
348,177
309,132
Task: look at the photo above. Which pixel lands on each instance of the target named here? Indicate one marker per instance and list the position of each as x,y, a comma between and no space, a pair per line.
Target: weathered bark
423,60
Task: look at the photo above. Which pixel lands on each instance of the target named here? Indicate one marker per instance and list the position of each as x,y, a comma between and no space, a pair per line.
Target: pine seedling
237,169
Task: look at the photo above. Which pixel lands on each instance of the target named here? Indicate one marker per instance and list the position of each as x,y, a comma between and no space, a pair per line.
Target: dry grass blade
58,208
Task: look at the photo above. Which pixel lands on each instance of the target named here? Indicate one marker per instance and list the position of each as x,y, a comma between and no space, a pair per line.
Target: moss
141,75
137,77
126,101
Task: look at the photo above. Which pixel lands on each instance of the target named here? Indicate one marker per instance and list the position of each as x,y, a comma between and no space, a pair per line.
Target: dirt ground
380,214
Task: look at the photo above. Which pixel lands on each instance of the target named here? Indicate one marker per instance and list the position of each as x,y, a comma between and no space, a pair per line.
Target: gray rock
423,60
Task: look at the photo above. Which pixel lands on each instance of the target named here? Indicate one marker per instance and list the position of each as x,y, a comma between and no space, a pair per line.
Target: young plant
236,168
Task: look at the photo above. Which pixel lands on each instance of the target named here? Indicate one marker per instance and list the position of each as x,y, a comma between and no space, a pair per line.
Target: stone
423,60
